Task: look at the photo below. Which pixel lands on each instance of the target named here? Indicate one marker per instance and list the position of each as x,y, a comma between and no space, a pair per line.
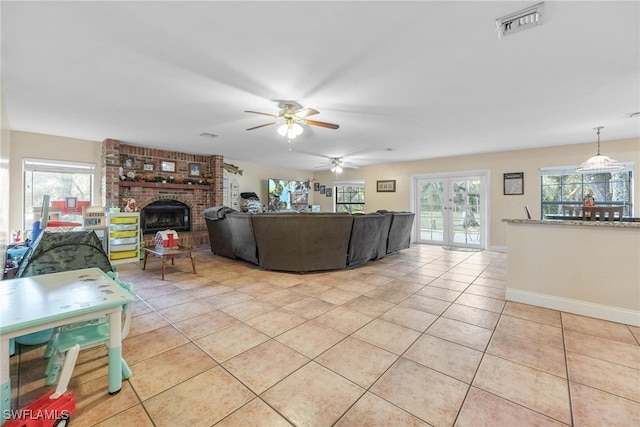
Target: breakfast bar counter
590,268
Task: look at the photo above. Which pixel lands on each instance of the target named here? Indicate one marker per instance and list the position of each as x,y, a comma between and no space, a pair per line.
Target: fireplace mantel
162,185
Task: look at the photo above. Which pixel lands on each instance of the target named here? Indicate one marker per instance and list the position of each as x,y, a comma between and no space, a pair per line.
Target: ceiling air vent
521,20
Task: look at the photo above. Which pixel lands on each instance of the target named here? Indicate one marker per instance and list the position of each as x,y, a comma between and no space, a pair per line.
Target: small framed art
328,192
514,183
194,169
387,186
128,162
322,189
148,167
316,186
168,166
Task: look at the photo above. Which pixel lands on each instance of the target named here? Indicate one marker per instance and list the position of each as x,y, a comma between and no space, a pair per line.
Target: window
349,197
68,184
565,188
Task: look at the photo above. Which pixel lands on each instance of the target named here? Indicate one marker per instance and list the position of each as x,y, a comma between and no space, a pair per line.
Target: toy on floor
54,408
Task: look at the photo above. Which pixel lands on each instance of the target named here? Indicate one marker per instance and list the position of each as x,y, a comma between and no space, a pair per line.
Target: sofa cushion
365,238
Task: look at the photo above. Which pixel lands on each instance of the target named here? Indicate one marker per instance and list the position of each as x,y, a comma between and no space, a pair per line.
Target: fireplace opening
165,214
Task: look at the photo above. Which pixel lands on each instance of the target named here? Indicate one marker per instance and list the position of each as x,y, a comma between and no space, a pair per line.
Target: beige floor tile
227,298
450,284
427,304
482,409
94,404
309,307
169,300
282,297
529,330
500,283
145,323
231,341
311,338
635,330
596,408
200,401
486,291
155,291
134,416
391,295
598,327
387,335
481,302
185,311
254,414
475,316
208,291
534,313
258,287
606,376
158,373
369,306
357,361
529,353
446,357
149,344
338,296
140,307
355,286
249,309
344,320
459,277
276,322
409,317
205,324
439,293
438,401
313,396
372,411
264,365
531,388
404,284
603,348
461,333
421,279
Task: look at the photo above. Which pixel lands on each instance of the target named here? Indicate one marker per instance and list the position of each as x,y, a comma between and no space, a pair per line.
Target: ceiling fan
291,120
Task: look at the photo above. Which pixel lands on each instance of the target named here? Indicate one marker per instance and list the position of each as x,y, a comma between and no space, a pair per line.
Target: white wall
5,143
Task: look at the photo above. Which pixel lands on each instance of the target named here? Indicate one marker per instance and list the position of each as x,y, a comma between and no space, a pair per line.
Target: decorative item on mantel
589,200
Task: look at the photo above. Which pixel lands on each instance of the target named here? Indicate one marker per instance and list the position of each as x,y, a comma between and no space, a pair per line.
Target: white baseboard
599,311
498,249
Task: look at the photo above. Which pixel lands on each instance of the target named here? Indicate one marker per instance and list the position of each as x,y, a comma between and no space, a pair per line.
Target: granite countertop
580,223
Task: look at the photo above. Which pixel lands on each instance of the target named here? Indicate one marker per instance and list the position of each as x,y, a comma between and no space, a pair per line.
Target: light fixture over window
600,163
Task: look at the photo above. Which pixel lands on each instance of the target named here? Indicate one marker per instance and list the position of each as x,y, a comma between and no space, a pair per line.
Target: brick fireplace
146,182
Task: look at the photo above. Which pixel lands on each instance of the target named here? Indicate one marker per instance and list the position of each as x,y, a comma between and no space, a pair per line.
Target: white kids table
37,303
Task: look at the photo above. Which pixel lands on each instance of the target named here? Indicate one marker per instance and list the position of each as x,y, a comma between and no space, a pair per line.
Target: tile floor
420,338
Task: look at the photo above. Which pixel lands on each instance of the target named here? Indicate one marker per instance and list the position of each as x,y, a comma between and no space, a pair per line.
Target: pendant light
600,163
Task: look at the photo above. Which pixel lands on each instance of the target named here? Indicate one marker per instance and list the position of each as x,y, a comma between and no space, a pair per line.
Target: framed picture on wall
316,186
328,192
514,183
387,186
322,189
168,166
194,169
128,162
148,167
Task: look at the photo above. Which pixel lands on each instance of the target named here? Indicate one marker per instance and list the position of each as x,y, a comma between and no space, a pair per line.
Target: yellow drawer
124,220
123,255
121,234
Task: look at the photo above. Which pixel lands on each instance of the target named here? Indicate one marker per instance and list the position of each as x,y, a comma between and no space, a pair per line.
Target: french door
450,209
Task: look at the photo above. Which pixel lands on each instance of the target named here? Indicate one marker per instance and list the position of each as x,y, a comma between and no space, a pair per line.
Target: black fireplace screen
165,215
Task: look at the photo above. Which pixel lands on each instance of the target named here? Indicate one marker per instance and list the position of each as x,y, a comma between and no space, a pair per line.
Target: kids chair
87,335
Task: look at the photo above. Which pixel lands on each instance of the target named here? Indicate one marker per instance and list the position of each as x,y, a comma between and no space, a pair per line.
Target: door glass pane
466,211
431,212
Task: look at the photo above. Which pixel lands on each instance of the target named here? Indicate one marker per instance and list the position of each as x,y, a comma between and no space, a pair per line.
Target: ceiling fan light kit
600,163
291,120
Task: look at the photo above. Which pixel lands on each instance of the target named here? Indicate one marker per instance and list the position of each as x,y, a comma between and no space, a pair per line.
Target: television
287,195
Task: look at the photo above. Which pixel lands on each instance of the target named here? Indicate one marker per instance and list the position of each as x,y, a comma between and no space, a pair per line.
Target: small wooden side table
165,253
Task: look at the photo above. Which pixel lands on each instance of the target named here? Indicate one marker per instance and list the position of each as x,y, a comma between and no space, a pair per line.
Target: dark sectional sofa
305,242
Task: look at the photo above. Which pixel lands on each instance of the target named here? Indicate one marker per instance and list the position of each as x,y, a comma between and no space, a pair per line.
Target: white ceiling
427,79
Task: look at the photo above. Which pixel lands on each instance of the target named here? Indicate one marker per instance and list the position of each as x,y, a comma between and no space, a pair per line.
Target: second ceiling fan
291,120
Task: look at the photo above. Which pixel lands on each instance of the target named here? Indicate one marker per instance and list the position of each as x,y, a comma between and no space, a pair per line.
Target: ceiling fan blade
306,113
261,126
321,124
264,114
